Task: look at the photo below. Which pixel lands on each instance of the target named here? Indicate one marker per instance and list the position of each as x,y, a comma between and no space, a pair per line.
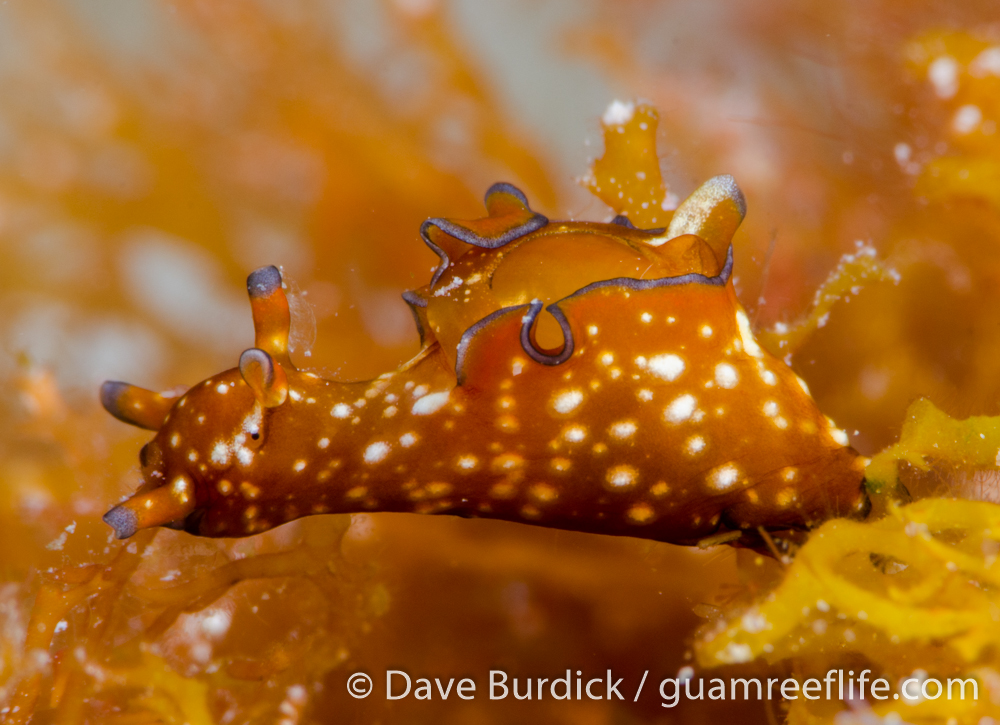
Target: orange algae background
152,154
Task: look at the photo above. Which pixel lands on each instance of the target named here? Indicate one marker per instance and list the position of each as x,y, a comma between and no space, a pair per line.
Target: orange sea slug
654,413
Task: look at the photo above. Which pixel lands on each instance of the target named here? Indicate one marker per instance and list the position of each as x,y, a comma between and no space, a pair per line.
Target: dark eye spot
255,436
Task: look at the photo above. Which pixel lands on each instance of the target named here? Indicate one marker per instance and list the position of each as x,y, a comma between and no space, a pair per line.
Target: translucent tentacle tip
123,520
264,281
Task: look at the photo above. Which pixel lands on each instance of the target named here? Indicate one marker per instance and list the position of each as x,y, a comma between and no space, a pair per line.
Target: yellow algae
930,435
918,588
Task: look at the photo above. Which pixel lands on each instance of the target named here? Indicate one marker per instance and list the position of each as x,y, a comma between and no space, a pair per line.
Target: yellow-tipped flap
713,212
135,406
271,318
264,376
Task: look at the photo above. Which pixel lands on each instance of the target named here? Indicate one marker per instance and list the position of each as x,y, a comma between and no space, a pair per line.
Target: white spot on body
592,330
623,429
726,376
298,466
220,454
222,389
430,403
244,455
770,408
645,395
376,452
694,445
723,477
323,442
607,358
467,463
181,489
680,409
341,410
669,366
646,317
574,433
566,401
622,476
407,439
766,375
840,436
705,331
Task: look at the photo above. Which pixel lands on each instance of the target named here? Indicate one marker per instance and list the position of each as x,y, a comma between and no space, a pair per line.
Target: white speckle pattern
840,436
723,477
222,389
668,366
694,445
770,408
705,331
220,454
645,395
646,317
766,375
467,463
623,429
407,439
680,409
298,466
323,442
802,384
430,403
566,401
726,376
455,283
607,358
622,476
376,452
574,433
341,410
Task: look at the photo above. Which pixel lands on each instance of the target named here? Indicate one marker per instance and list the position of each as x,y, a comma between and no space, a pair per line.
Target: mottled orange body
645,408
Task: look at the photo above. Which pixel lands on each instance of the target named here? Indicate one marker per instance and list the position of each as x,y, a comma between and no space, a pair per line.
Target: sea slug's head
210,440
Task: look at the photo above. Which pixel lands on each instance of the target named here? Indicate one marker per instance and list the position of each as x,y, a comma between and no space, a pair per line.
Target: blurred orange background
153,153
